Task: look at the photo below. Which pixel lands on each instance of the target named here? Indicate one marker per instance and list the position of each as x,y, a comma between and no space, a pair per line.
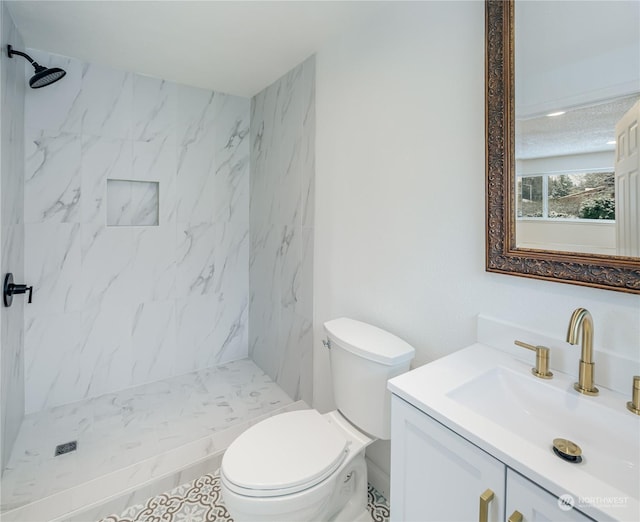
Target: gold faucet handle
634,404
542,360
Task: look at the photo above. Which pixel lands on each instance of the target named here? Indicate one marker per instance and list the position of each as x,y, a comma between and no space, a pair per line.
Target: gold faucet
581,320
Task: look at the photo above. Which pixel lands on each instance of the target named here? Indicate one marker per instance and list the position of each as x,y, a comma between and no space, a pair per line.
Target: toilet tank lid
369,341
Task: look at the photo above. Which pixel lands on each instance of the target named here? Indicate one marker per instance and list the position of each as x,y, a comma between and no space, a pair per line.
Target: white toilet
304,466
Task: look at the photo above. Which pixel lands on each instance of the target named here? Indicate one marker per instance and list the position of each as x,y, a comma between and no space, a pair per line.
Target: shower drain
67,447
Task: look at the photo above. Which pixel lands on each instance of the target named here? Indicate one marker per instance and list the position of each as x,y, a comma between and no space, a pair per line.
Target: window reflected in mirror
576,195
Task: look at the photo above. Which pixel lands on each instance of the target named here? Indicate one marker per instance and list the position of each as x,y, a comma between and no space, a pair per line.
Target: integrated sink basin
491,398
540,412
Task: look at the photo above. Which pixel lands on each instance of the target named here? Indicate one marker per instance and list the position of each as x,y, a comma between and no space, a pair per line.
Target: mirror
573,86
553,172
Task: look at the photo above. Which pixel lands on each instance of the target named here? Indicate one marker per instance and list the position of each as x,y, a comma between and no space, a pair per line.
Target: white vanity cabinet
437,475
536,504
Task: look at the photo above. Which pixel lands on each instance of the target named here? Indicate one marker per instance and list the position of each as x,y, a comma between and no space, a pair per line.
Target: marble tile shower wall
281,210
119,306
12,92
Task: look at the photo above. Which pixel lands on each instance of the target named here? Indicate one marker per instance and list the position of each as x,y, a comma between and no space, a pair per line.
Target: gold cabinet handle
516,516
485,498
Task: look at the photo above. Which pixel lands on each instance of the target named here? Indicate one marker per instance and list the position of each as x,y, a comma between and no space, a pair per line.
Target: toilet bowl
305,466
297,466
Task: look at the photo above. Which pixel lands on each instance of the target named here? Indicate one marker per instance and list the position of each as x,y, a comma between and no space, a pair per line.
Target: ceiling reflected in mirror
578,130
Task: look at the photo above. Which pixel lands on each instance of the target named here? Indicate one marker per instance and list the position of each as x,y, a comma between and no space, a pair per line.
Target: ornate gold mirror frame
599,271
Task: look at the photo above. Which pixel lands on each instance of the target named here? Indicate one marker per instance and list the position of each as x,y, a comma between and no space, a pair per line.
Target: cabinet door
438,475
536,504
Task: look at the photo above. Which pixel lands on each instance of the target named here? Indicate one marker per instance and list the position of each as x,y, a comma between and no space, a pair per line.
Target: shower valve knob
10,289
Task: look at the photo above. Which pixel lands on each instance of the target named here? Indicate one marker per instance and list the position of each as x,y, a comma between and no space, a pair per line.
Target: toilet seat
283,455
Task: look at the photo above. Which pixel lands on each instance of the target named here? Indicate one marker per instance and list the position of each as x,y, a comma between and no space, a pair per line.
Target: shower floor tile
117,430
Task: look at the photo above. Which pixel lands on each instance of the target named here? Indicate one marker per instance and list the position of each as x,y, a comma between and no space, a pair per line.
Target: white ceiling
237,47
582,57
240,47
578,131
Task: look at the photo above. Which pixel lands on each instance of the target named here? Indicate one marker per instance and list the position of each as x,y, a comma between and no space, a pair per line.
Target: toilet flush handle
327,343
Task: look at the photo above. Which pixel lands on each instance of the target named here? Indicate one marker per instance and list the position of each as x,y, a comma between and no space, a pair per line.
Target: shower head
43,76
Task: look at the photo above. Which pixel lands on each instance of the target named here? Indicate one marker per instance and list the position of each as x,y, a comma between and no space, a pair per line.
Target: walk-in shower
136,348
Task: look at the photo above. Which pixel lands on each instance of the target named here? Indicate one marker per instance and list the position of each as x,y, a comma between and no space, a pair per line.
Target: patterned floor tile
201,501
197,501
378,505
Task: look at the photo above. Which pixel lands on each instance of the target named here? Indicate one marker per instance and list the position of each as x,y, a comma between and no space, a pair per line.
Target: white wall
399,229
589,52
583,162
593,237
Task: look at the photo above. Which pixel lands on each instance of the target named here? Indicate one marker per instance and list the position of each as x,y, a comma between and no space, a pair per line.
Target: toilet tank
363,358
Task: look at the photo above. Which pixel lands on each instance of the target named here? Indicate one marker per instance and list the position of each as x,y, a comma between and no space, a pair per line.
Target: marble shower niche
132,203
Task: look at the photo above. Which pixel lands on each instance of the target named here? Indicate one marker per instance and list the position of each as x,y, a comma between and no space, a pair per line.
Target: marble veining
52,177
108,284
281,229
153,107
117,430
101,159
106,99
